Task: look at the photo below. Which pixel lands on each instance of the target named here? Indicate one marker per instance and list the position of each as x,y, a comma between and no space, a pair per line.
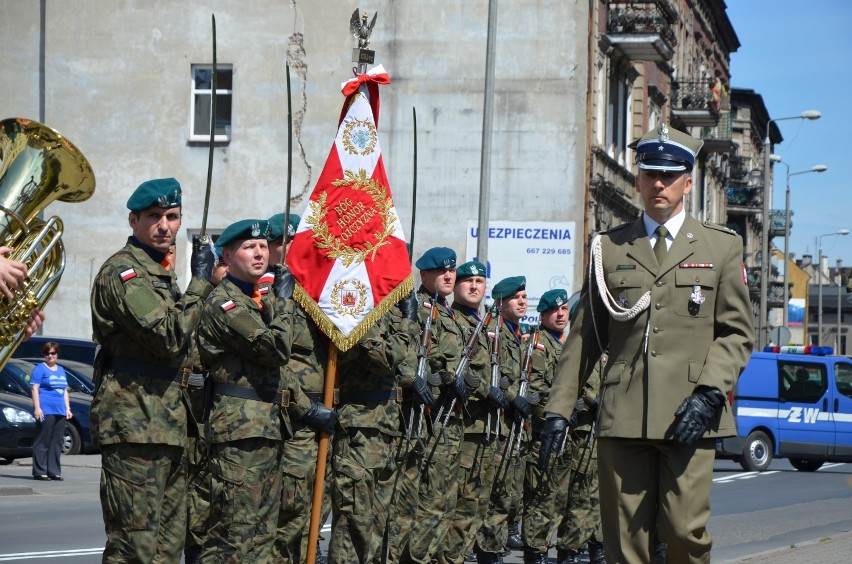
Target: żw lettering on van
803,415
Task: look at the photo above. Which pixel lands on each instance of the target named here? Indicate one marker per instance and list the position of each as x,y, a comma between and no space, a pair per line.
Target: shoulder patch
267,278
718,227
128,274
263,290
228,305
540,346
427,305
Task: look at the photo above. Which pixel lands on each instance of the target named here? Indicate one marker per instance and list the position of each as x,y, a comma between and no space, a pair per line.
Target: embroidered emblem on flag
348,254
127,275
229,305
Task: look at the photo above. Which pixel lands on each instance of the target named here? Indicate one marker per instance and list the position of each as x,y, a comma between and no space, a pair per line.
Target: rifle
525,377
464,364
423,362
495,373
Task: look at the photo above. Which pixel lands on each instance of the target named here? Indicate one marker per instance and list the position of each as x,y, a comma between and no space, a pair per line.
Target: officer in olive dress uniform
500,524
245,338
668,299
541,509
479,455
139,415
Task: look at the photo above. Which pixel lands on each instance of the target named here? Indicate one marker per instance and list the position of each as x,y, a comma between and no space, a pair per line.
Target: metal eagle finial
359,28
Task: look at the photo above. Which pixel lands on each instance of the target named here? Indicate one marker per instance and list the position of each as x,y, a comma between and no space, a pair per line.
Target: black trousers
48,445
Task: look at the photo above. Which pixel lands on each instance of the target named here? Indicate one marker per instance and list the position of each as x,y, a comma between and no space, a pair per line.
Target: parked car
79,374
79,350
14,379
17,429
792,402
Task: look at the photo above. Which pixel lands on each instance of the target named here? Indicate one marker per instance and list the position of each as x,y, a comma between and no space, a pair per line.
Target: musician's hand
12,273
33,323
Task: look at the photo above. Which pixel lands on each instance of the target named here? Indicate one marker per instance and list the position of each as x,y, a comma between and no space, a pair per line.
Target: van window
802,382
843,378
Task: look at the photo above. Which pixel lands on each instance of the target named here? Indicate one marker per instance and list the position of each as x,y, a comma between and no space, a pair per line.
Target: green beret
276,226
161,192
573,311
551,299
508,287
243,229
435,258
469,269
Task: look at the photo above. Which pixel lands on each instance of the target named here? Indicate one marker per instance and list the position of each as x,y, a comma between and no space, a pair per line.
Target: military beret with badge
469,269
242,230
508,287
160,192
437,258
277,225
551,299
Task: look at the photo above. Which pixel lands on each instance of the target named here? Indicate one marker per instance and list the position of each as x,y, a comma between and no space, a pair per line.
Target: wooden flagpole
322,455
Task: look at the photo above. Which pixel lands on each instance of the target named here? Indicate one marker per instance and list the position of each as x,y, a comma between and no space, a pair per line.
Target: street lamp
839,349
819,278
762,321
815,168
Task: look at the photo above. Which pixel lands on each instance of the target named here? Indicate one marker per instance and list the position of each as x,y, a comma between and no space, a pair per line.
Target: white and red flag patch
127,275
348,255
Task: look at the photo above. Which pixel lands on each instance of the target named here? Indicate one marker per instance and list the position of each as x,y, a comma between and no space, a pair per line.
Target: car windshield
13,379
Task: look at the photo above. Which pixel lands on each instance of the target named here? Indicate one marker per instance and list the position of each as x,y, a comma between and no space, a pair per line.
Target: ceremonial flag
348,255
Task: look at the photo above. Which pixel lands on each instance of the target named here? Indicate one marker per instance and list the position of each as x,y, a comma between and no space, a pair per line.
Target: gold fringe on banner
324,323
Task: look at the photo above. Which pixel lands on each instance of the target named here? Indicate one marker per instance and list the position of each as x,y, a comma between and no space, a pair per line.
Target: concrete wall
117,80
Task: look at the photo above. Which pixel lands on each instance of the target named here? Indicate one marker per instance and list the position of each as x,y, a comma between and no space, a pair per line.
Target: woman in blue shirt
52,408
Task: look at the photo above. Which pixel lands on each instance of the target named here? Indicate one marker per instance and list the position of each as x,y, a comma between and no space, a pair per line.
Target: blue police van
792,402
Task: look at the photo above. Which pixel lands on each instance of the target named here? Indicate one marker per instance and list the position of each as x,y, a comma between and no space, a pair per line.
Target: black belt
314,396
394,394
281,397
142,368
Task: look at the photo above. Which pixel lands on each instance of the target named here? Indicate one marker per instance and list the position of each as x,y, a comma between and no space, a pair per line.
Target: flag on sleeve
348,255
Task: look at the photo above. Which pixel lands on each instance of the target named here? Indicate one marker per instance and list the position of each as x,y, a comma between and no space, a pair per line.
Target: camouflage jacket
309,354
480,364
510,366
447,343
138,314
245,346
543,366
369,376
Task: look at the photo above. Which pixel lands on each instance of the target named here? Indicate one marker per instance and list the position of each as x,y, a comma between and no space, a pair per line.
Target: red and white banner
349,256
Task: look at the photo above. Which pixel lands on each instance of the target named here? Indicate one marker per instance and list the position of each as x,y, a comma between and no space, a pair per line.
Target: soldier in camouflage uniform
542,507
364,465
308,358
245,337
580,508
479,455
439,465
507,493
139,414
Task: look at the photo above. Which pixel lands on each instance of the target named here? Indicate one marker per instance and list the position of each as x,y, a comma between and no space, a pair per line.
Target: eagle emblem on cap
163,201
474,270
663,133
559,301
255,229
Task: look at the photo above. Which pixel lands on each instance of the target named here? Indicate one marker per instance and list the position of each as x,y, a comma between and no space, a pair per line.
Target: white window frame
195,92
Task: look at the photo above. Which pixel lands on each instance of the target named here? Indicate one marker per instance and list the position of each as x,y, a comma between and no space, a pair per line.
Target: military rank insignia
127,275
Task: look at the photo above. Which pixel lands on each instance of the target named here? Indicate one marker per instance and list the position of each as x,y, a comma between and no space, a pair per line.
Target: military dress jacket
244,345
697,330
144,327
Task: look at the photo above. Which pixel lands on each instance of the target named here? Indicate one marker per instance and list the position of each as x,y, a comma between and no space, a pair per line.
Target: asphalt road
752,513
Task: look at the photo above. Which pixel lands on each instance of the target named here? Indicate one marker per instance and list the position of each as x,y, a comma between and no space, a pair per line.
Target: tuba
38,166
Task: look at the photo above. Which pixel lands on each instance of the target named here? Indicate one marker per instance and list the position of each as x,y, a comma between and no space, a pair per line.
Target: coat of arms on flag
348,255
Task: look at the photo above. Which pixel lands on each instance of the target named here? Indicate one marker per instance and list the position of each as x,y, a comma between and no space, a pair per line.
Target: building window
618,116
199,111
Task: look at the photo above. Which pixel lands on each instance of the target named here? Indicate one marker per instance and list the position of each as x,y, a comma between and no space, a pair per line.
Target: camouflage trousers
245,498
478,462
436,494
581,520
545,497
143,498
507,496
405,494
299,462
363,471
197,492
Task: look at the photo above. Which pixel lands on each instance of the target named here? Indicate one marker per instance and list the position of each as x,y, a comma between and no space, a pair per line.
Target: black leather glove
533,397
422,393
284,282
521,408
321,418
552,437
695,414
497,398
460,389
203,258
408,306
579,408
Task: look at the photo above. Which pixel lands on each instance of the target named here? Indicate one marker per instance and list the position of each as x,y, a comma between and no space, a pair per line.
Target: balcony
738,169
744,200
774,290
777,223
694,103
642,29
719,139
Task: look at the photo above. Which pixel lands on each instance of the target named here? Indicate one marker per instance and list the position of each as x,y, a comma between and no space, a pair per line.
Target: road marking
832,465
743,476
50,554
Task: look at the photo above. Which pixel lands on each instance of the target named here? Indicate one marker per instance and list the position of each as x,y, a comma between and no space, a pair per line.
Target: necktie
660,245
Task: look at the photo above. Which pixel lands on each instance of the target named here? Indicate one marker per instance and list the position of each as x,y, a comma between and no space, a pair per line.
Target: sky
796,54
